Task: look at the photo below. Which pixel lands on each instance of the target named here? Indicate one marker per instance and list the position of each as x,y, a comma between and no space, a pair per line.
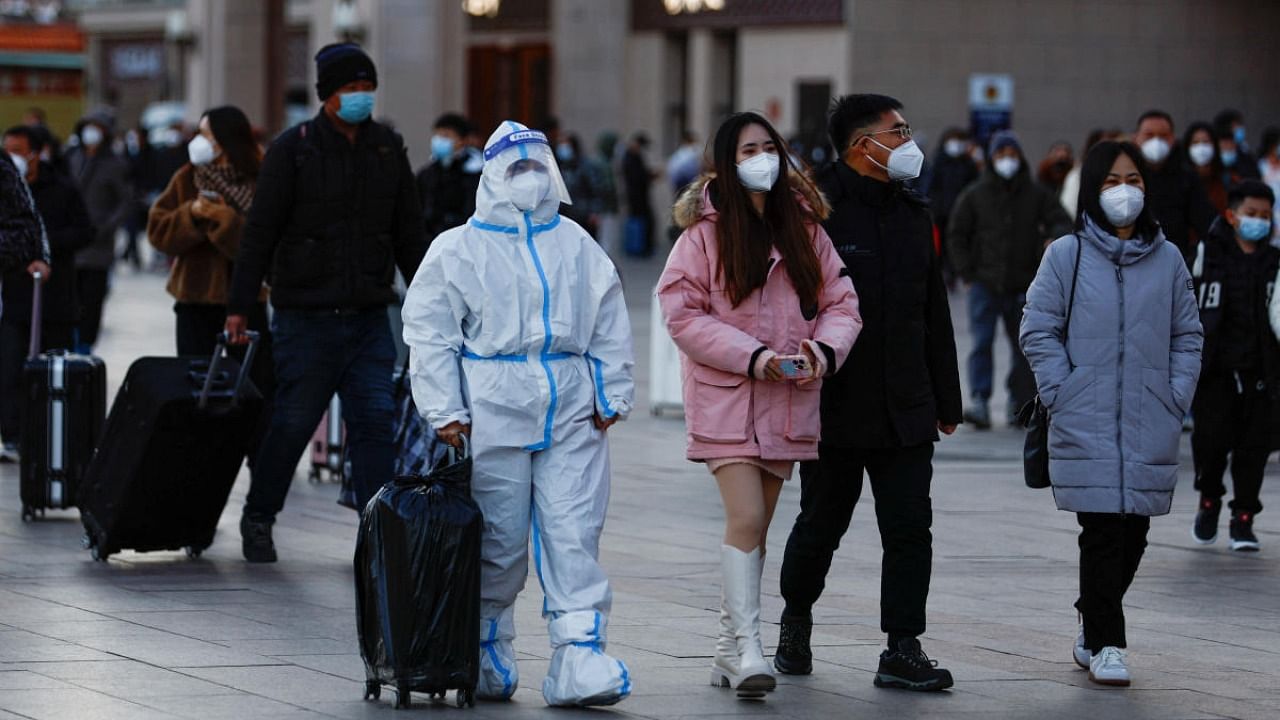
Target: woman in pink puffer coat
754,295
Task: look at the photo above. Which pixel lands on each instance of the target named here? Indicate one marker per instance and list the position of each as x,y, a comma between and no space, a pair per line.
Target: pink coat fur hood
729,413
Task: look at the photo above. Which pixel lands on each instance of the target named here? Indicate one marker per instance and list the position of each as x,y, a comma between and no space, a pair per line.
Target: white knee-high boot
740,662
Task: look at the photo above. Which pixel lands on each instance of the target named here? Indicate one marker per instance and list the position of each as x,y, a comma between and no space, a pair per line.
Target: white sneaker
1108,667
1081,653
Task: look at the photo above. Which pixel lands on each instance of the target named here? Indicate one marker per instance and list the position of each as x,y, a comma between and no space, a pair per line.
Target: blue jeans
986,307
318,353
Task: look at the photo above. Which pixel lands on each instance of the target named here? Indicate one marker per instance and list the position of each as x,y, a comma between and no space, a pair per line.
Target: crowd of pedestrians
811,307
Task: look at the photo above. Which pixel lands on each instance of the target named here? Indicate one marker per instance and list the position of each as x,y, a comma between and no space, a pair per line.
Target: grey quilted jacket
1118,390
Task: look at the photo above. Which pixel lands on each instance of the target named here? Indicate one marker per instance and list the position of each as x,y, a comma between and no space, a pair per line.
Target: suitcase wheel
194,551
372,690
402,696
314,474
466,698
28,514
98,555
86,541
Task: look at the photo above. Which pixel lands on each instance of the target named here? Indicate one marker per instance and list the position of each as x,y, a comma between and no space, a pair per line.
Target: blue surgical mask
564,152
1228,157
441,148
1239,134
1254,229
356,107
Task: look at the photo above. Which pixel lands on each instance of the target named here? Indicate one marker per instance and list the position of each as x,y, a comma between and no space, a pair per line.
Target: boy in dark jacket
1237,404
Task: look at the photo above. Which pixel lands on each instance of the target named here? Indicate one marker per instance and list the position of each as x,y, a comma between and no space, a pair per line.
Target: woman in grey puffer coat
1117,390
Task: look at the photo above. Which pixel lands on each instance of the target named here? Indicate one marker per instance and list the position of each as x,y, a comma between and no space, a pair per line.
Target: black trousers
15,335
91,288
1111,547
1233,427
829,490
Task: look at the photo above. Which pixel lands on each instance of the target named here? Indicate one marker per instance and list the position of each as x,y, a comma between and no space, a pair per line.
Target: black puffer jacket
330,221
901,378
1179,203
999,229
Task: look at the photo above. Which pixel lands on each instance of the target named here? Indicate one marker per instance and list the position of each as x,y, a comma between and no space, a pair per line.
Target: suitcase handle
37,314
218,351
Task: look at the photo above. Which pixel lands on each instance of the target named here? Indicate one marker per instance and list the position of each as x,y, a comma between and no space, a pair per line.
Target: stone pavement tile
28,680
348,665
173,651
237,706
128,679
75,703
95,595
204,625
23,646
286,683
20,608
292,646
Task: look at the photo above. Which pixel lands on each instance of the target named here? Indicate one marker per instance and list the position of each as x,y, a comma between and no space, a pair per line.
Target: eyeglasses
903,132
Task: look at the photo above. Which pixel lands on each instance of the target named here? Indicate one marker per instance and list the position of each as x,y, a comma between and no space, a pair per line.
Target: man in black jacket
68,228
335,213
881,413
1237,403
999,228
1174,193
447,185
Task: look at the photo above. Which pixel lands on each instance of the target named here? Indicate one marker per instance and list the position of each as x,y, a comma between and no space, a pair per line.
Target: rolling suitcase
417,575
665,387
172,447
64,403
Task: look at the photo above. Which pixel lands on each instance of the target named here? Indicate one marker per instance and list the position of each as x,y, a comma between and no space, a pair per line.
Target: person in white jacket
519,338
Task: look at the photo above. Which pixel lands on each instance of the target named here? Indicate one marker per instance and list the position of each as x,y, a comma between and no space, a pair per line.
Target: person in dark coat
447,185
102,177
637,178
883,410
1237,403
67,226
999,228
953,170
1174,193
1233,148
335,213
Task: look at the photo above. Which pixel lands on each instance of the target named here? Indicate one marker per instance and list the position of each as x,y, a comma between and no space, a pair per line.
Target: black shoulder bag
1034,416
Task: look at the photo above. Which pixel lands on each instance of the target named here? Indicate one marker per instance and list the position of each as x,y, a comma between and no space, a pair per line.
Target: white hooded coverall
516,324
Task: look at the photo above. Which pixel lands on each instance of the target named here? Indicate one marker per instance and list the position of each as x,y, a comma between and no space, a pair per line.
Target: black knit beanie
339,64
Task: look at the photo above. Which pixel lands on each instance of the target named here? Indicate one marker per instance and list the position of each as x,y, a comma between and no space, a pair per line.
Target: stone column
702,76
226,65
589,55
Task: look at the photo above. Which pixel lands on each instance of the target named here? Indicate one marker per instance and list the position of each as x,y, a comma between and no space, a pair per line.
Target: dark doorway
508,83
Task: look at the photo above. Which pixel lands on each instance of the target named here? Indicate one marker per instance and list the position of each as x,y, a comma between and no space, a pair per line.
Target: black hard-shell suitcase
178,431
417,573
64,404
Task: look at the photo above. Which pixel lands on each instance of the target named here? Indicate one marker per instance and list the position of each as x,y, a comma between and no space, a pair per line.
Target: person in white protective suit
519,337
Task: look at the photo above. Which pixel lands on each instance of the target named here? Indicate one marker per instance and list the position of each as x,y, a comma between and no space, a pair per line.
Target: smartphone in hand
795,367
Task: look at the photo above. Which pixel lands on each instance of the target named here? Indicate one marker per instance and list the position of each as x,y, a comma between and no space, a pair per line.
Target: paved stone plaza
161,636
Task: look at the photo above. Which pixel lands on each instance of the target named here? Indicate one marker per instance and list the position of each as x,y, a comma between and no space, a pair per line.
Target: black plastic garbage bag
417,571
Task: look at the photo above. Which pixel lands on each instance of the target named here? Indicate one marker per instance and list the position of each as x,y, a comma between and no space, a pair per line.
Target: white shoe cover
499,677
581,674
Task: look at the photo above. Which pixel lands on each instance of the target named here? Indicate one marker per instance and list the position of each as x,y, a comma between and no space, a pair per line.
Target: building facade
627,65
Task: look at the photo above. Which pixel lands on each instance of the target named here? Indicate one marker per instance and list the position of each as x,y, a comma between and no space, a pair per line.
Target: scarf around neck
224,180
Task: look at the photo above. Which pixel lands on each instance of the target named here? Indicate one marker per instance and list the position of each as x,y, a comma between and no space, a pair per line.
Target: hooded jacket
1119,388
516,320
998,229
728,412
103,180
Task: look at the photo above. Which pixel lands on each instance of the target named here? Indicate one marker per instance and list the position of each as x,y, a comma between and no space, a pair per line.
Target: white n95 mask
1122,204
759,172
528,189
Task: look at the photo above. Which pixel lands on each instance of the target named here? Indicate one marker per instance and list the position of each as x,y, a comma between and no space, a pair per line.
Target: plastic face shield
521,151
